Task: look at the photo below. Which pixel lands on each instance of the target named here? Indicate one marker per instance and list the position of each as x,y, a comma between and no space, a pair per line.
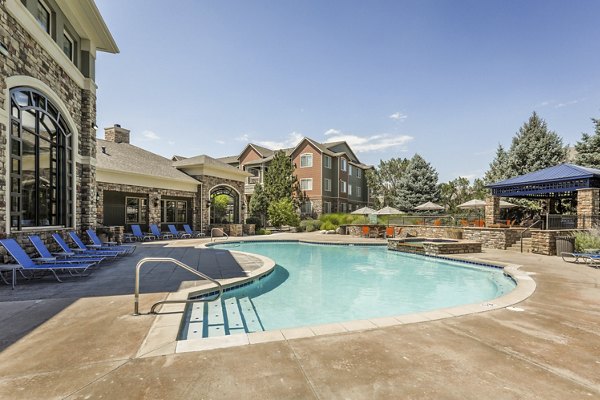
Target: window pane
45,183
170,211
28,120
68,46
132,210
43,17
22,98
28,188
181,211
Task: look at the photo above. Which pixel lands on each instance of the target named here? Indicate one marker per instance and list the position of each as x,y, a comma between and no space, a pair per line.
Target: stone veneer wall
544,242
154,195
588,205
208,183
27,58
492,238
45,235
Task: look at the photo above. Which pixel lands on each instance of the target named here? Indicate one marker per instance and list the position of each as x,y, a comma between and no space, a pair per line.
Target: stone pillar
492,209
588,205
116,134
154,208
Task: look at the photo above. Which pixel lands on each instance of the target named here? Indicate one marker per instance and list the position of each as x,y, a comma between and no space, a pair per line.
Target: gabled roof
228,159
561,172
129,159
177,158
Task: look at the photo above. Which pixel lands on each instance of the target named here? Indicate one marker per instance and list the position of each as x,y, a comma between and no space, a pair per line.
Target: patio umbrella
429,206
388,211
506,204
363,211
472,204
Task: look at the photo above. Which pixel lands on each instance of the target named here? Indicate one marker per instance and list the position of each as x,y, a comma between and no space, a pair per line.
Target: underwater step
253,323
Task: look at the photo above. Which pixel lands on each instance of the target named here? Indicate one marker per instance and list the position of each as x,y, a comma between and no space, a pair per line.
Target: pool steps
220,318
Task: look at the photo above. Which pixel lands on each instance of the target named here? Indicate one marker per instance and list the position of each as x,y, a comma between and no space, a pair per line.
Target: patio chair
65,247
112,246
47,256
137,232
160,235
576,257
27,264
365,231
92,249
193,233
389,232
178,234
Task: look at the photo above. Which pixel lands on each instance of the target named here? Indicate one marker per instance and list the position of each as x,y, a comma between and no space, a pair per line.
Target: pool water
316,284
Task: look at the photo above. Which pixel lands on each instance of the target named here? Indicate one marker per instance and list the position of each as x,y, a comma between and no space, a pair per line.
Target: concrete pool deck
81,341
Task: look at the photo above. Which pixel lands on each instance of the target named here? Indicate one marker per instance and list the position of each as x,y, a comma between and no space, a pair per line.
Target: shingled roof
127,158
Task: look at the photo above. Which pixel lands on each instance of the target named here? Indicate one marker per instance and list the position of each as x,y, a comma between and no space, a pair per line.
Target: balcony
249,188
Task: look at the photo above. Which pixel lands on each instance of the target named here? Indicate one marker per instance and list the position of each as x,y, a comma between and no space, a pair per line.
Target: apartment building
48,114
331,176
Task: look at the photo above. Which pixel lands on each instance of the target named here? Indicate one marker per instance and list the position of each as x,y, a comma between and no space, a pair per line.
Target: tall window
306,184
306,160
350,190
327,185
327,207
326,161
173,211
43,16
358,191
68,46
306,207
343,186
343,164
358,172
41,162
350,170
136,210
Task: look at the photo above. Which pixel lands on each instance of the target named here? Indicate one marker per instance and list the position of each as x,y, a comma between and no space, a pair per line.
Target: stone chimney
116,134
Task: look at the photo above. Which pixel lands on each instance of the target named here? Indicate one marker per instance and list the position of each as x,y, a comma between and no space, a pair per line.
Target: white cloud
243,138
292,140
398,116
220,141
149,135
568,103
363,144
171,142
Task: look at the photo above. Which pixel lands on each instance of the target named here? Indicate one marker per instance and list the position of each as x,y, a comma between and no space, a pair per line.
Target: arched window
224,205
41,163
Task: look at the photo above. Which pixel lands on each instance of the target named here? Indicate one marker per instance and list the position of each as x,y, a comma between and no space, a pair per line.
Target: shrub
309,225
263,231
282,212
328,226
587,240
254,220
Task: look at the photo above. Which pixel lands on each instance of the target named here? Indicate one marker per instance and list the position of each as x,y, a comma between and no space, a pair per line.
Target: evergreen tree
283,212
588,148
417,185
498,168
384,181
280,181
259,204
534,147
455,192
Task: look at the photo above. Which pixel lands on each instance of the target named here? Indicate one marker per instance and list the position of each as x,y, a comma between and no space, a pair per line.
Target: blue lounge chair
178,234
161,235
137,232
65,247
28,265
47,256
91,250
192,233
98,244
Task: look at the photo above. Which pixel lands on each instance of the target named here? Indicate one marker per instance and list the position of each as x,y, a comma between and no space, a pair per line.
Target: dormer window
68,46
43,16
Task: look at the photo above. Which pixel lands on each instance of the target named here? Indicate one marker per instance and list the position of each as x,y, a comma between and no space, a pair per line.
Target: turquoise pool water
317,284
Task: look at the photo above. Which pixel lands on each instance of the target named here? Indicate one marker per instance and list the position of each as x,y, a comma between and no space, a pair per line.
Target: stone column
588,205
492,209
154,208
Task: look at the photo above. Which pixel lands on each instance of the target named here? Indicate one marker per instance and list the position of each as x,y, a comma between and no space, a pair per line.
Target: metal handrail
136,305
219,229
526,229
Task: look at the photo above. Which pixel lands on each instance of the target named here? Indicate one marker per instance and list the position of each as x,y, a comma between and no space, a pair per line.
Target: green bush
309,225
328,226
263,231
587,240
282,212
338,219
254,220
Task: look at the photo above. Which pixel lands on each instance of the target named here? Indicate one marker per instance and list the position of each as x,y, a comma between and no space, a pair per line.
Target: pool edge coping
164,324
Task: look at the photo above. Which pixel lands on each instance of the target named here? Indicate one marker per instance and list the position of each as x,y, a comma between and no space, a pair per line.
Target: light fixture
94,126
208,203
3,49
97,197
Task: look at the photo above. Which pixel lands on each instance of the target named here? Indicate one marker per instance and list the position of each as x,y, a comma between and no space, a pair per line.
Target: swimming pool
316,284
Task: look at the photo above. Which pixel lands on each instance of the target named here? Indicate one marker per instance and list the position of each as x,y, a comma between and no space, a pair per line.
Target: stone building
48,114
136,186
331,176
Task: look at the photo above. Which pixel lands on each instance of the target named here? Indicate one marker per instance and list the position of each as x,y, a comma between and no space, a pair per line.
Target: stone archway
224,205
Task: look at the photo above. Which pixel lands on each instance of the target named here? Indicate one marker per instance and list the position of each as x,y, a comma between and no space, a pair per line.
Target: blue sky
446,79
